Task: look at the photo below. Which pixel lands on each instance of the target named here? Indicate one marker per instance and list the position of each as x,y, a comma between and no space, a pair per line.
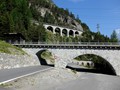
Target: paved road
7,75
73,65
90,81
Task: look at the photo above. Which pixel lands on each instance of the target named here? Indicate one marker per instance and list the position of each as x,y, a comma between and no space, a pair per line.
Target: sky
106,13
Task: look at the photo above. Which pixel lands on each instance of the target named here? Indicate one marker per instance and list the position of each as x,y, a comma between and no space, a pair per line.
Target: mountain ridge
58,16
21,16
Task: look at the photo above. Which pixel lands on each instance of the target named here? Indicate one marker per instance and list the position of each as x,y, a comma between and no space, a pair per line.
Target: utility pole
98,31
98,28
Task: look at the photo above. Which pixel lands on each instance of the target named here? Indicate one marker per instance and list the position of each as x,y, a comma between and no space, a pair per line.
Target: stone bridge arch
111,56
76,33
107,67
65,32
41,60
58,31
67,55
50,28
71,32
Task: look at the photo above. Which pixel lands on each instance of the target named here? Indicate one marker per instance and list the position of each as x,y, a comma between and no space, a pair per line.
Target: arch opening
64,31
77,33
45,57
95,64
71,32
50,28
57,30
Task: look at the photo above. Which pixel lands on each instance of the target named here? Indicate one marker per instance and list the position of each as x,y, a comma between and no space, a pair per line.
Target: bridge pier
61,32
74,34
67,33
54,30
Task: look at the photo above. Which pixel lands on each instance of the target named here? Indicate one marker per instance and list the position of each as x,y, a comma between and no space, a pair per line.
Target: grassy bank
10,49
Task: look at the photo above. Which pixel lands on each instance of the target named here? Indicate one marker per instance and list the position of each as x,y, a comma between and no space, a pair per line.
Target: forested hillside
21,16
15,16
46,11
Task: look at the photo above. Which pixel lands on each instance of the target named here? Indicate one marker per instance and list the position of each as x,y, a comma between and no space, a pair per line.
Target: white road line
25,75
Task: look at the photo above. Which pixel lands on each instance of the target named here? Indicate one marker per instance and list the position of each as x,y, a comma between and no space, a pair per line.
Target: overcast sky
106,13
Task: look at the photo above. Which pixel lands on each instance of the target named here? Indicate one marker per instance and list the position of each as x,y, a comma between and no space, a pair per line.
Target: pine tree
114,36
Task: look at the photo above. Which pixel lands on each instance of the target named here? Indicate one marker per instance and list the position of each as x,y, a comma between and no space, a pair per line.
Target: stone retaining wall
8,61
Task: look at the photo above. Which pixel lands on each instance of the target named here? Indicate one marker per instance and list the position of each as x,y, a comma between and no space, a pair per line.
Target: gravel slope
43,81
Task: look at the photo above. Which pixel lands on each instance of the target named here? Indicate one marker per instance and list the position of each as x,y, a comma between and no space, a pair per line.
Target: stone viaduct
66,53
63,31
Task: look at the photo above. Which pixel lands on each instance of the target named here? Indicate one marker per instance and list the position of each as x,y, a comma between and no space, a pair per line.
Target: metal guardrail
69,43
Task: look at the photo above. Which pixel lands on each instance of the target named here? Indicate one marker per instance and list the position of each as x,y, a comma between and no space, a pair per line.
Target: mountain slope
21,16
46,11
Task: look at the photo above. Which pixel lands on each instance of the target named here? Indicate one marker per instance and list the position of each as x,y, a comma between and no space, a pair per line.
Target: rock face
58,15
8,61
73,23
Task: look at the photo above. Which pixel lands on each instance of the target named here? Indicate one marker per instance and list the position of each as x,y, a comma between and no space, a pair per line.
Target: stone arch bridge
67,52
63,30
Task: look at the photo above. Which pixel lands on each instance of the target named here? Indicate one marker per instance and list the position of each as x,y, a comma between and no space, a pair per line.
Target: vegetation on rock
48,57
10,49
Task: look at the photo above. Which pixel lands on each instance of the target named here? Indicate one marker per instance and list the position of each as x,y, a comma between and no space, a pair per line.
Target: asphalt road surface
7,75
90,81
87,81
73,65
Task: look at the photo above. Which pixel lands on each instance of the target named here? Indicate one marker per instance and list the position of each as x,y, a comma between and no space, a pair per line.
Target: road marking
3,82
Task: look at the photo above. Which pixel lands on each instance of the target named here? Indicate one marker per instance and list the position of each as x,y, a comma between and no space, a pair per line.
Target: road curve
7,75
90,81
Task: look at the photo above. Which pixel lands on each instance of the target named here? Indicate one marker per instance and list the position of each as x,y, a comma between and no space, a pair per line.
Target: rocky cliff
47,12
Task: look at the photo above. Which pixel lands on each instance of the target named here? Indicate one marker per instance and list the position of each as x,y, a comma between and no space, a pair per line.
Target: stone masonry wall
65,56
8,61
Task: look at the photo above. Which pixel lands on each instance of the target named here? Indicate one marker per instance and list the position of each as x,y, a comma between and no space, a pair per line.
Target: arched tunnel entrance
93,63
71,32
64,31
45,57
57,30
50,28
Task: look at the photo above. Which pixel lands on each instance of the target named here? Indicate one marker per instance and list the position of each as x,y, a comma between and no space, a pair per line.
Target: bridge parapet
69,43
76,45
